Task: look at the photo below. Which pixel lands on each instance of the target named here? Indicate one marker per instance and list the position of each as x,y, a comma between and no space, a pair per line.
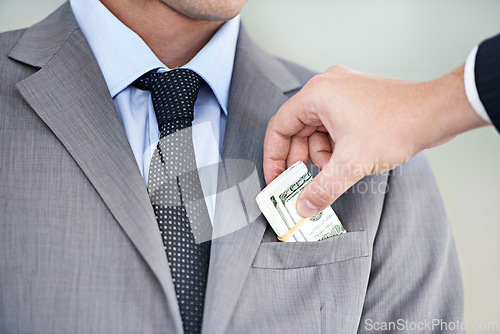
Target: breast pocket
292,255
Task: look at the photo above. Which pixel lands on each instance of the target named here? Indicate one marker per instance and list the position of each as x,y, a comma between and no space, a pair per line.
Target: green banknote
278,202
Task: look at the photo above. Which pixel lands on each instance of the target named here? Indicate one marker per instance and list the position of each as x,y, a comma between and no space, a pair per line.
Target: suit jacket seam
62,45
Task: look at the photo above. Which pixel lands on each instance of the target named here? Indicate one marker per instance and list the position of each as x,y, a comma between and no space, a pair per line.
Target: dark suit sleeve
487,74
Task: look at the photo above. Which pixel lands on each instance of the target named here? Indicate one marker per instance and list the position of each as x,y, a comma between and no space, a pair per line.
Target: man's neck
174,38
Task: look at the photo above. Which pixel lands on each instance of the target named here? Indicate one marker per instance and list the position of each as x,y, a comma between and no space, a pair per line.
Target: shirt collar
123,56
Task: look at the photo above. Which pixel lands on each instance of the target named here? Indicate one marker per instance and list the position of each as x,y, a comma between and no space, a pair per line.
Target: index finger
286,123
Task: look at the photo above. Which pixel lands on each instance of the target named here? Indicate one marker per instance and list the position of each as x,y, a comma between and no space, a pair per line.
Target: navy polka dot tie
175,191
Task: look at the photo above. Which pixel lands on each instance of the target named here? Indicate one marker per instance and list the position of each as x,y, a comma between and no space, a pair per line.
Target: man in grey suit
80,249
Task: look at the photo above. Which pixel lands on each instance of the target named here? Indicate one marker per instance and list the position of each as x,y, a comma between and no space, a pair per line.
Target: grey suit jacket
80,250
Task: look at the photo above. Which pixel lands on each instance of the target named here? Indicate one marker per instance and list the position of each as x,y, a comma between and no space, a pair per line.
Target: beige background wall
412,39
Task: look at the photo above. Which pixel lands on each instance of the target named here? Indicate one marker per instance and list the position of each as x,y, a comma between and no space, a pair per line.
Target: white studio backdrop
409,39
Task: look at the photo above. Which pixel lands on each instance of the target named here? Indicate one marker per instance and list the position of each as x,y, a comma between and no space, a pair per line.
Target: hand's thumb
327,186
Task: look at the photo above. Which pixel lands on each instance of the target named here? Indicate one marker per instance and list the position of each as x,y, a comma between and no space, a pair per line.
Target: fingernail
306,208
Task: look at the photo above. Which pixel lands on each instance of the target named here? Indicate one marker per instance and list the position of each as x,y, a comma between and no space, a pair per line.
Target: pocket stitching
280,262
311,266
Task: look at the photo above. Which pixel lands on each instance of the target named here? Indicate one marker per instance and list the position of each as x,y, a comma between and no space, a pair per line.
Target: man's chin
207,10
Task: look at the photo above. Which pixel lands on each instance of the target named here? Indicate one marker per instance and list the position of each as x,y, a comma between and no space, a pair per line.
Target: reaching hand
352,124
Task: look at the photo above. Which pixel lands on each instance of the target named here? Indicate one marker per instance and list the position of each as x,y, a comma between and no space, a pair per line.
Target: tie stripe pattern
174,182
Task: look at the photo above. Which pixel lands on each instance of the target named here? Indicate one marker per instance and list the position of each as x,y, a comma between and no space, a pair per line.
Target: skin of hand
352,124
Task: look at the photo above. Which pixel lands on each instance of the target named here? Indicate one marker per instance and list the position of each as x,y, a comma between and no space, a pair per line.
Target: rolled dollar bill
278,202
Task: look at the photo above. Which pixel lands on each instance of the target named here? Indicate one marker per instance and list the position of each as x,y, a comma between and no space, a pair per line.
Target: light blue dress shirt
123,57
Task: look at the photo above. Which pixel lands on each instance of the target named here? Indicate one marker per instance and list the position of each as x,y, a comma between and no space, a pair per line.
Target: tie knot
174,94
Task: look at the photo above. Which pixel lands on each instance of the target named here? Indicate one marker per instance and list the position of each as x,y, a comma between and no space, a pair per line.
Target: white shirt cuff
470,86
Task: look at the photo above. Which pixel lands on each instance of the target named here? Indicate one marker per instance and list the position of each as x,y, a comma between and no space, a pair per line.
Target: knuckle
307,102
318,78
337,68
317,81
273,122
316,89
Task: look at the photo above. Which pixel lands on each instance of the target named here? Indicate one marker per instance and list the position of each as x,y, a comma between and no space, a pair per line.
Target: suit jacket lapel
259,86
70,95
